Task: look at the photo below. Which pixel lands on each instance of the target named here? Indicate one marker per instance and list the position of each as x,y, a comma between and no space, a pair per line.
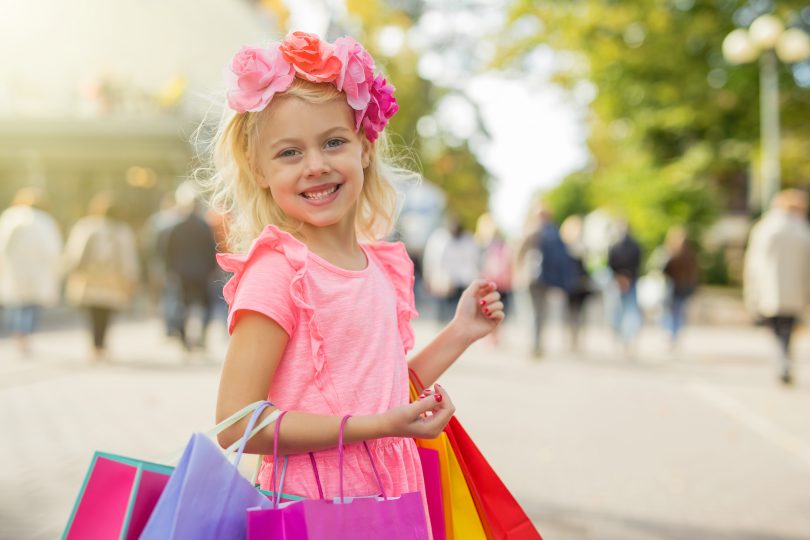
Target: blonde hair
230,177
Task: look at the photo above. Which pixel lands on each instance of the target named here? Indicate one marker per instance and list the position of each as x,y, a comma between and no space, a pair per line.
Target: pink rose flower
311,58
255,76
381,107
356,72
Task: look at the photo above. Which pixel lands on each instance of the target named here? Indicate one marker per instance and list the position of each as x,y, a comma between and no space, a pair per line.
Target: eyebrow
292,140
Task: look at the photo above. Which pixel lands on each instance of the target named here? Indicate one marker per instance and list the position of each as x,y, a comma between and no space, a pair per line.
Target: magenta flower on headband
256,74
356,74
312,59
381,107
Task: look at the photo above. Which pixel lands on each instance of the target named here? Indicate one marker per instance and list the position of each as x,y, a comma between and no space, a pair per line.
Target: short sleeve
262,280
394,259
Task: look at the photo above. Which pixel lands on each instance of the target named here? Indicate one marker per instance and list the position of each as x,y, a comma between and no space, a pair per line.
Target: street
698,444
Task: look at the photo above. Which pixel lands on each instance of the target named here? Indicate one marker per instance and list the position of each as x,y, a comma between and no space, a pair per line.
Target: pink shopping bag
431,471
344,518
117,498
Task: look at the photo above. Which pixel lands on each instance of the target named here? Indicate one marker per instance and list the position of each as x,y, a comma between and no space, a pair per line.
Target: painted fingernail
482,302
438,397
423,396
486,311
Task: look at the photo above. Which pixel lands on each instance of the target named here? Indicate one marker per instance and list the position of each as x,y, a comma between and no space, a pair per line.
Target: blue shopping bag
206,496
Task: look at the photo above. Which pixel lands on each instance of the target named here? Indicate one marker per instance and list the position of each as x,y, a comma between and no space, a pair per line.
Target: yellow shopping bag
461,518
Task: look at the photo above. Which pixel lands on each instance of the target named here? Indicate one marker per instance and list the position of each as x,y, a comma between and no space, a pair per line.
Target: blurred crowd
591,260
104,262
595,259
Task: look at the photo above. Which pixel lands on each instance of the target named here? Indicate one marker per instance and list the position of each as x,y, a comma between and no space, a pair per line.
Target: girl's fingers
491,297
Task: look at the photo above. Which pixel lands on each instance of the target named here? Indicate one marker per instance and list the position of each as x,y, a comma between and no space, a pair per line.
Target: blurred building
104,94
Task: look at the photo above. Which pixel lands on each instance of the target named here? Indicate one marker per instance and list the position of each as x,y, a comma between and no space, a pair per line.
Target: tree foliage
674,129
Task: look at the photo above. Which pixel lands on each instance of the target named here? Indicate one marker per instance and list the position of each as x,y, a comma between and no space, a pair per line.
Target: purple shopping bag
344,518
206,496
431,471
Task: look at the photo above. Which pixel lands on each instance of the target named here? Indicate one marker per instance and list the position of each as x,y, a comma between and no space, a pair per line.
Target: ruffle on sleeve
274,239
399,267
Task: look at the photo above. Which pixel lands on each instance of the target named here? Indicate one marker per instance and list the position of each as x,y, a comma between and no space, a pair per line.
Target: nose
316,165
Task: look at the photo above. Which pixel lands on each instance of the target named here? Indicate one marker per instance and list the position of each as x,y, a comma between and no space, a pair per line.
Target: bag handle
250,432
340,460
219,428
416,381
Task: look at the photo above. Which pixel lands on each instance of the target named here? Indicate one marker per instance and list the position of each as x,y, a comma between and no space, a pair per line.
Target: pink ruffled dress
349,334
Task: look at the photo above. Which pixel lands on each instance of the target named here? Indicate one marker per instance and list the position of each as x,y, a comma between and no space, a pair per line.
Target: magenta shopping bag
344,518
431,472
206,496
116,499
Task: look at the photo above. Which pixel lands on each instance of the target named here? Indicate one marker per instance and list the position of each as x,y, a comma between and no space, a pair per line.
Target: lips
321,192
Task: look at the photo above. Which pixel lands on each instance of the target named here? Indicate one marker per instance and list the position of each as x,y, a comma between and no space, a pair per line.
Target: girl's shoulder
273,254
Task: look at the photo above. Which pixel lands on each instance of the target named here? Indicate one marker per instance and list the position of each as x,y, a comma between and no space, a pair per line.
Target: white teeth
319,194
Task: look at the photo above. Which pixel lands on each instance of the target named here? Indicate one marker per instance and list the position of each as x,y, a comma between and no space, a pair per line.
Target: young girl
319,320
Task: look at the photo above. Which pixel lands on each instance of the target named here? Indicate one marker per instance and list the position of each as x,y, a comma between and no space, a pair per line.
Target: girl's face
312,161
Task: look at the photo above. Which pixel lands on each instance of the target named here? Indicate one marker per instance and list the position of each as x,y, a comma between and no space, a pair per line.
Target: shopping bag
462,520
343,518
116,498
500,515
206,497
431,472
505,519
119,493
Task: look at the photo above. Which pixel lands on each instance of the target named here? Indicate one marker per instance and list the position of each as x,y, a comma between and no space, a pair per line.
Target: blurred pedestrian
451,264
191,263
496,261
624,261
683,274
30,250
777,270
548,264
580,286
153,239
102,262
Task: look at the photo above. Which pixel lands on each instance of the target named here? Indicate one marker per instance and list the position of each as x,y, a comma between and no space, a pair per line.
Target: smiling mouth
321,194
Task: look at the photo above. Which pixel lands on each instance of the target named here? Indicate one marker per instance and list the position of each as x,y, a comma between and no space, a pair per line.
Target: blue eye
287,153
334,143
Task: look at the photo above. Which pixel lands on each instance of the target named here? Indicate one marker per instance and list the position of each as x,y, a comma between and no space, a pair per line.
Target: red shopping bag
344,518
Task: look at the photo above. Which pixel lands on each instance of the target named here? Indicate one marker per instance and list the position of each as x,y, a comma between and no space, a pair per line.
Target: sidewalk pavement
702,443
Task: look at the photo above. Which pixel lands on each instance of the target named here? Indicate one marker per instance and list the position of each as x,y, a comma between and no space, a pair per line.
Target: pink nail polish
438,397
482,302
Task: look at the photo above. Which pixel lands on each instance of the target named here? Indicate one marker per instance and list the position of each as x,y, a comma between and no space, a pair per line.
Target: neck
337,244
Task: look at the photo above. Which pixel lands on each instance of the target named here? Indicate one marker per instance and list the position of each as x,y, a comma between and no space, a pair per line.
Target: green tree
673,127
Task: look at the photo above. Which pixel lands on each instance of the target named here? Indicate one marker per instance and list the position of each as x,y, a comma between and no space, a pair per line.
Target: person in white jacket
30,250
776,277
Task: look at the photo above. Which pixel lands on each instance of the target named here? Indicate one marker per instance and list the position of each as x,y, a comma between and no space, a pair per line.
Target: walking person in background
101,259
776,279
496,261
30,251
191,265
451,260
580,286
154,234
624,260
683,274
549,267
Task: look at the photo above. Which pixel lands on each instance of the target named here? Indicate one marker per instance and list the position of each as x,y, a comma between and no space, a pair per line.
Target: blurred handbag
344,518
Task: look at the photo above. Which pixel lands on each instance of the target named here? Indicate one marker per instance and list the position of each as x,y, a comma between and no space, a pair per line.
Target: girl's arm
254,352
479,311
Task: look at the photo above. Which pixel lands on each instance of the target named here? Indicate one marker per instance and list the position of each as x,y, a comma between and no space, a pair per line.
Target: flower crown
256,74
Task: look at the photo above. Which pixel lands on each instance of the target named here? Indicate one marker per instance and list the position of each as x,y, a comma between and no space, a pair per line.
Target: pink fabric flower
356,73
255,75
381,107
312,59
